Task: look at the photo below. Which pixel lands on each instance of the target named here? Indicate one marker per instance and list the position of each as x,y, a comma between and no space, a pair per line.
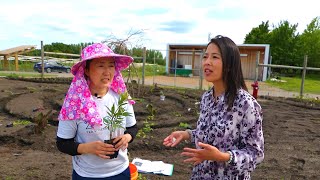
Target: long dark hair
87,67
231,68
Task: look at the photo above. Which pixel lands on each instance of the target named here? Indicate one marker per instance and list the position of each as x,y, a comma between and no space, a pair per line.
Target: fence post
144,63
303,74
257,66
269,68
175,69
42,57
154,67
201,73
16,61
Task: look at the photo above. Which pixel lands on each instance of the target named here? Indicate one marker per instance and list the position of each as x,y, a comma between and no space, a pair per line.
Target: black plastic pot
115,155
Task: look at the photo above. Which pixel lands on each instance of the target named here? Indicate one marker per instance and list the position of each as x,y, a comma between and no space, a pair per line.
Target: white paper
156,167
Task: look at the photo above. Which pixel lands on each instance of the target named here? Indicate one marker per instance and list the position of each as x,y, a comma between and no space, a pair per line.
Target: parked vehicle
52,66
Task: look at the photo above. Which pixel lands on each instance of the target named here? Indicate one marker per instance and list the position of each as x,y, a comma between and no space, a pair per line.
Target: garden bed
291,130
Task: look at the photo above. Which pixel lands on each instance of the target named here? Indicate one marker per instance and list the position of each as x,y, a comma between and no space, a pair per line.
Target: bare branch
119,45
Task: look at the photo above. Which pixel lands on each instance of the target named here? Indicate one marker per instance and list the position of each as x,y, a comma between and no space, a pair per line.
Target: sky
166,21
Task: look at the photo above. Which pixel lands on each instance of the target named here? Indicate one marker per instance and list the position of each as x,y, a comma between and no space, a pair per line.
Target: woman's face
101,72
212,64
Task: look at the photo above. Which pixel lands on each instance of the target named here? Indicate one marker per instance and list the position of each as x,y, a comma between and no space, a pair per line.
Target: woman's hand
208,152
122,141
98,148
175,138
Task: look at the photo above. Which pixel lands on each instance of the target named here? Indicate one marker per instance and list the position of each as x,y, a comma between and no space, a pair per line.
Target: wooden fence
304,70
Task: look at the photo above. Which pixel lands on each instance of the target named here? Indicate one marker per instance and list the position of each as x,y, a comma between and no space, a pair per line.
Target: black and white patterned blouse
238,130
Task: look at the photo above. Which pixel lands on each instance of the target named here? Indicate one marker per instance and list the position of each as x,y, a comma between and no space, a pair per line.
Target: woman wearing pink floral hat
96,86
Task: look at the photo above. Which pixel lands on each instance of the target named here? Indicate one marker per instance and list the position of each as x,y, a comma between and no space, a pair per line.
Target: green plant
11,178
152,89
147,126
141,177
185,125
161,93
31,89
41,121
115,115
21,122
152,111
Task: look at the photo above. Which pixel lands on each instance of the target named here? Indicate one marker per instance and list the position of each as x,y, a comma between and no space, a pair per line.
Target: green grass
311,84
24,75
23,66
150,70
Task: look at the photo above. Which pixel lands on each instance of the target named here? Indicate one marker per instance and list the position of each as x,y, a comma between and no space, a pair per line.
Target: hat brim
122,61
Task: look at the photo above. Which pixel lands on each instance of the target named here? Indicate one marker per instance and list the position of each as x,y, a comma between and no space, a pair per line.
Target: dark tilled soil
291,130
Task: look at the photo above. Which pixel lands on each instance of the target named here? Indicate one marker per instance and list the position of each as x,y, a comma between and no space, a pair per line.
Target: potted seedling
162,96
114,120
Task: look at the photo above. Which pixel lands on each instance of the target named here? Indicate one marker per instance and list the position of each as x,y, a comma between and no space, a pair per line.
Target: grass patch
23,75
311,84
21,122
150,70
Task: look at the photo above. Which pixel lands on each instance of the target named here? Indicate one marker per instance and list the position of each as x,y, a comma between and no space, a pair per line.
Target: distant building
185,59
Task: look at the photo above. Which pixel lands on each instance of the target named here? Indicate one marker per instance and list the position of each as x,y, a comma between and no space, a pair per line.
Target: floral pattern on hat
99,50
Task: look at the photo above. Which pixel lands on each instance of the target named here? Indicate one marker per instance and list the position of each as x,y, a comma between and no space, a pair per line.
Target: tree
122,46
259,35
310,42
155,57
284,44
151,55
60,48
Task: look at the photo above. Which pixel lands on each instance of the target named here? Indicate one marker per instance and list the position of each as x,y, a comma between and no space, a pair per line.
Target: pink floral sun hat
79,103
99,50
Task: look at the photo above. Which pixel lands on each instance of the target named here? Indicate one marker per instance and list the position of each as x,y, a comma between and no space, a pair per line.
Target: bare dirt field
291,130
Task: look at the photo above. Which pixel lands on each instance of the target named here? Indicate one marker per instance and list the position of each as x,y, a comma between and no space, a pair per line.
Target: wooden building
185,59
14,52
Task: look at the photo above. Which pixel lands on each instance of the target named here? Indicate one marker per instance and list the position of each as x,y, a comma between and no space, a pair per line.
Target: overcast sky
175,21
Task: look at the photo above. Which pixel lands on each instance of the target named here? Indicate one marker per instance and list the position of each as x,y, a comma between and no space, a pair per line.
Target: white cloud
29,22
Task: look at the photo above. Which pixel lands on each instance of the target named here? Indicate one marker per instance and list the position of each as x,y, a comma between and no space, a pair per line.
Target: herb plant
116,114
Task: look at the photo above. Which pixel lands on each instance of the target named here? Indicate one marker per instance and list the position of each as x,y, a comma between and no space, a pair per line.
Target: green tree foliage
288,47
60,48
283,40
152,56
310,42
155,57
259,35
